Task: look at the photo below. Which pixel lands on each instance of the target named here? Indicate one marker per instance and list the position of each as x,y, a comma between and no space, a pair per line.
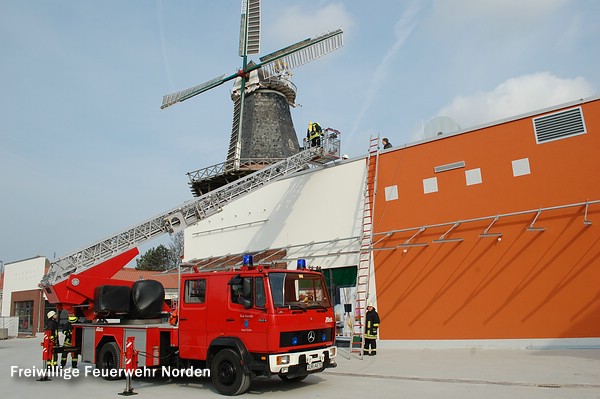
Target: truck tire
227,373
109,358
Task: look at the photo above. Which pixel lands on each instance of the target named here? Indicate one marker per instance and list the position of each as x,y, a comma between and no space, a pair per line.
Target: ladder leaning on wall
365,255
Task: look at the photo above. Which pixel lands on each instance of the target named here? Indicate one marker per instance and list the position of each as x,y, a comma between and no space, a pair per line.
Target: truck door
192,319
247,316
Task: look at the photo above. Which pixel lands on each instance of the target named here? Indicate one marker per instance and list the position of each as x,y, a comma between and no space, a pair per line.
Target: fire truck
238,324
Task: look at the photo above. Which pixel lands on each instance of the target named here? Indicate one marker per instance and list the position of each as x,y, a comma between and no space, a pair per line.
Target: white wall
21,276
319,205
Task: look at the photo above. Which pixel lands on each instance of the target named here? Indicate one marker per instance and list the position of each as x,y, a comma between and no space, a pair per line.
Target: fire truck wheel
228,374
292,379
109,358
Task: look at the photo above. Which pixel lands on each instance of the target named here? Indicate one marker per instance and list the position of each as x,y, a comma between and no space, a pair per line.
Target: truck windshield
299,290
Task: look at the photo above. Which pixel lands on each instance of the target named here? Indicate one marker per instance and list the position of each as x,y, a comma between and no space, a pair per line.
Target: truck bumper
305,362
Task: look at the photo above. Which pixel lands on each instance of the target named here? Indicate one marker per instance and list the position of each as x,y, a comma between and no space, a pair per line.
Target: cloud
516,96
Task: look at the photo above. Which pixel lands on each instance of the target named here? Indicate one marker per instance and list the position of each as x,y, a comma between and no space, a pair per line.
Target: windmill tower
268,132
262,130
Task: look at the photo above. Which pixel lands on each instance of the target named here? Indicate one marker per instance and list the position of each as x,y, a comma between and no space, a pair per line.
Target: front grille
299,338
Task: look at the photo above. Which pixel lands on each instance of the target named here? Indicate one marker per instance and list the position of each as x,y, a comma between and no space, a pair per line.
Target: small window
237,290
261,297
430,185
195,291
391,193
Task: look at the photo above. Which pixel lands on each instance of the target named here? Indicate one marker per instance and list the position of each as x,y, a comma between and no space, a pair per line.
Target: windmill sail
250,28
179,96
301,53
233,154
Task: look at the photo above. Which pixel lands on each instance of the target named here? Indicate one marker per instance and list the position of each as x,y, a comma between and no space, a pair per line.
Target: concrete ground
441,373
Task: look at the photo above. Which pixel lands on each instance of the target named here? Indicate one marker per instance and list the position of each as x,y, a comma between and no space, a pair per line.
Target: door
247,315
192,319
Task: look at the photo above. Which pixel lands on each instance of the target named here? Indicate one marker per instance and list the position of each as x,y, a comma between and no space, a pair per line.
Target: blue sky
85,150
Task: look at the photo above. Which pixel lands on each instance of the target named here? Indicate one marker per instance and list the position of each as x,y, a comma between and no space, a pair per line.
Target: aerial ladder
63,284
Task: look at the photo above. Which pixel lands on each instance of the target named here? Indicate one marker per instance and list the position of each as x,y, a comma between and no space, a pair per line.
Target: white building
22,296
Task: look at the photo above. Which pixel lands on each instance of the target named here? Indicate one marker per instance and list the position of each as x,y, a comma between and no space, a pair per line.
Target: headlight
332,351
284,359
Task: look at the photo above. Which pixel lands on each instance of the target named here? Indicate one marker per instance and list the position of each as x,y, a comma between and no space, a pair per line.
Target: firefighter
313,134
371,327
173,318
52,327
68,331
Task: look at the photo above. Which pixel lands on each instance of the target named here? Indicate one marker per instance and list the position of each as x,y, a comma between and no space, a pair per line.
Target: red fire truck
239,324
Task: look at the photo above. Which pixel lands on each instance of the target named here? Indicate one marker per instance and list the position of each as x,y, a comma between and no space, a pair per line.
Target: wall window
24,310
391,193
473,176
430,185
521,167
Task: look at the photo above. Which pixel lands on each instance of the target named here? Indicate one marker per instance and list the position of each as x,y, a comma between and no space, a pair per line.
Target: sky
86,152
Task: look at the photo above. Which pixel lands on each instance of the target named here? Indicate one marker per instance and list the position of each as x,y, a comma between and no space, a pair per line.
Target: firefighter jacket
314,131
68,331
52,326
371,324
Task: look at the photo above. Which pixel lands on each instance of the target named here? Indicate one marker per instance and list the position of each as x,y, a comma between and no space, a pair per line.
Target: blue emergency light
301,264
248,261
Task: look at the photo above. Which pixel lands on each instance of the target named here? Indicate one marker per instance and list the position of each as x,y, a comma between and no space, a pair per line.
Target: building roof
169,281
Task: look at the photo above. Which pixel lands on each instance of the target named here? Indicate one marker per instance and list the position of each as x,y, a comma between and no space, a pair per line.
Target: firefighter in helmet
68,331
52,329
371,326
313,134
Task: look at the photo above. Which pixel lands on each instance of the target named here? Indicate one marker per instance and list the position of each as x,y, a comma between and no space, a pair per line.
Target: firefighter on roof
313,134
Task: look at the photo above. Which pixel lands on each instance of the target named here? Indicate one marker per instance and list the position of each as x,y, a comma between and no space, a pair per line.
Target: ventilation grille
559,125
449,166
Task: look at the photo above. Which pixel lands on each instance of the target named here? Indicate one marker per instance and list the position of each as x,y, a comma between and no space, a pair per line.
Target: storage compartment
111,299
147,299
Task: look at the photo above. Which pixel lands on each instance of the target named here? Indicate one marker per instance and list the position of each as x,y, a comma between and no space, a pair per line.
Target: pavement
433,373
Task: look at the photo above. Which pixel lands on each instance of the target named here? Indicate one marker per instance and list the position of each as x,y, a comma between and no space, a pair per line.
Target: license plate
314,366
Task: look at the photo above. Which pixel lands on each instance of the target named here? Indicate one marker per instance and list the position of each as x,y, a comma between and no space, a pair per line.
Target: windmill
250,139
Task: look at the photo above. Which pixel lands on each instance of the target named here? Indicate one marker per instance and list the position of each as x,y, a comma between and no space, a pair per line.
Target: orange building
493,233
487,237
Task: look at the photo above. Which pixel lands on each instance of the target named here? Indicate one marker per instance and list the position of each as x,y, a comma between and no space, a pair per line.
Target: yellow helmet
73,319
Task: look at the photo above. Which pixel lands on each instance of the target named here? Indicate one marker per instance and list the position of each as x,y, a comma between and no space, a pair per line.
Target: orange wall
529,284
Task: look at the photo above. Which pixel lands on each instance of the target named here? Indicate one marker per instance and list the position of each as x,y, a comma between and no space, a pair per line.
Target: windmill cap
51,313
